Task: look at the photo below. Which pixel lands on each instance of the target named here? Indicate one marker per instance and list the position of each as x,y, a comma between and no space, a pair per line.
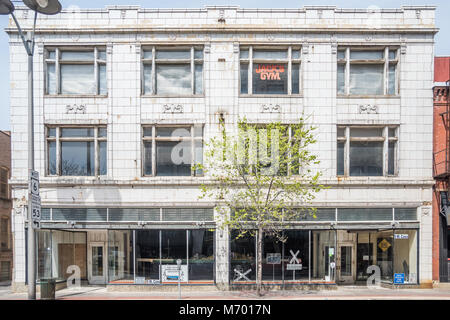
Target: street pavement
342,293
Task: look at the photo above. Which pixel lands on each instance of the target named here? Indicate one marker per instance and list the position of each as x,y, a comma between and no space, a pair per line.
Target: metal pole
179,284
31,233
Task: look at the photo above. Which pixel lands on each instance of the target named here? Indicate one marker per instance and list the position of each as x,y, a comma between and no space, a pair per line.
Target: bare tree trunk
259,262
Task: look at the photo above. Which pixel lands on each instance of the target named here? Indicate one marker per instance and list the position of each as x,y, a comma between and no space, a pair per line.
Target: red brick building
6,252
441,167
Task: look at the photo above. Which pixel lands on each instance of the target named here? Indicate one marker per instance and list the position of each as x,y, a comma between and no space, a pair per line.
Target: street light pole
48,7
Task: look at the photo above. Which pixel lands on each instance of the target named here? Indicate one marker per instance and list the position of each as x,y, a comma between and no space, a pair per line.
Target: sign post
179,278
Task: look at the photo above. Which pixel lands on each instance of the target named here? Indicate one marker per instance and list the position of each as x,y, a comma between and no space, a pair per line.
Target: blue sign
399,278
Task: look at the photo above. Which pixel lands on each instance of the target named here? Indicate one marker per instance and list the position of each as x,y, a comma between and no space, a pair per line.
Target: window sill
340,96
270,95
365,177
75,96
170,96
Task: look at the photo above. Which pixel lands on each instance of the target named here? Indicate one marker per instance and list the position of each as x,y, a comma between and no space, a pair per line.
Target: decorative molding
369,38
270,37
138,48
426,211
368,109
123,14
403,47
270,108
236,47
221,16
75,108
173,108
334,48
305,47
207,47
109,48
418,14
320,14
40,48
172,36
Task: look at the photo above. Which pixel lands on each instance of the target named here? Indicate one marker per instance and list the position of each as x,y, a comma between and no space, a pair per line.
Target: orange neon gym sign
270,71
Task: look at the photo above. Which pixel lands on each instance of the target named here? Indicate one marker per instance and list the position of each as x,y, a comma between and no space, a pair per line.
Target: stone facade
319,31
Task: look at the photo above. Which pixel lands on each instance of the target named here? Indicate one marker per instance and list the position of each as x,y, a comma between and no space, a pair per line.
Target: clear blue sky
442,22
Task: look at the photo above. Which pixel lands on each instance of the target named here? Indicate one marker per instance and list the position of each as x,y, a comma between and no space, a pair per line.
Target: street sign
399,278
273,258
35,211
34,183
293,266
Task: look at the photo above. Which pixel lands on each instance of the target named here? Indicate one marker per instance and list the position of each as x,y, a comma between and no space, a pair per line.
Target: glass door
97,263
346,268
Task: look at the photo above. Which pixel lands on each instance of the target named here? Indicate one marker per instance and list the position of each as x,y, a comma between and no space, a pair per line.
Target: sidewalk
342,293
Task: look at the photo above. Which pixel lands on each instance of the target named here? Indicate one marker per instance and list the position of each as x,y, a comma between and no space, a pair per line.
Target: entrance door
346,263
97,263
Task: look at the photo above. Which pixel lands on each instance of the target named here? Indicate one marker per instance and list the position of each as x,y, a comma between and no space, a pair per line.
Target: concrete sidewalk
342,293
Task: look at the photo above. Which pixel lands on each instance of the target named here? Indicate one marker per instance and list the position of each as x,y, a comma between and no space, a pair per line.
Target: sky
442,47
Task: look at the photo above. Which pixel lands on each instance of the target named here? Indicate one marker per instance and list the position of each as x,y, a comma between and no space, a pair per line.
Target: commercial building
118,90
6,244
441,169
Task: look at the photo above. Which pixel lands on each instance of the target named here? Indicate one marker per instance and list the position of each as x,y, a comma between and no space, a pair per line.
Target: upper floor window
76,151
75,71
367,71
269,150
4,175
172,71
4,233
367,151
172,151
270,71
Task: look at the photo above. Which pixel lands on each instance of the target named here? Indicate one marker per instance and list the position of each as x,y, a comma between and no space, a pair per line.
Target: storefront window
272,259
44,254
243,257
405,255
58,250
120,256
147,255
296,255
384,254
323,252
201,254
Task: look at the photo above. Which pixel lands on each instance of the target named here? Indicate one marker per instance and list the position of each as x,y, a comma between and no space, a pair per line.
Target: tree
262,178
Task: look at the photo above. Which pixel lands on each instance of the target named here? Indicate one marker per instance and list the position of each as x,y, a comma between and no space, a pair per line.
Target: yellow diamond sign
384,245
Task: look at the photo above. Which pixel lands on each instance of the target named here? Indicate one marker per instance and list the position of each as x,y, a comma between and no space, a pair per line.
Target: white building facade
118,89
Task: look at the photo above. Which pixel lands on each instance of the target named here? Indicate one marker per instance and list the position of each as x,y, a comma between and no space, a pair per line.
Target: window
367,151
172,71
4,233
270,71
75,71
171,151
76,151
4,174
367,71
262,143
